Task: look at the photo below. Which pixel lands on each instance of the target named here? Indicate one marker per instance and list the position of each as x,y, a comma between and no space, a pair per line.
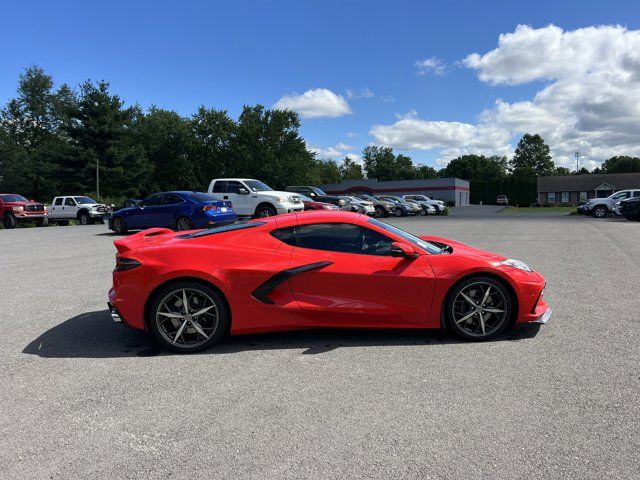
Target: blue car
179,210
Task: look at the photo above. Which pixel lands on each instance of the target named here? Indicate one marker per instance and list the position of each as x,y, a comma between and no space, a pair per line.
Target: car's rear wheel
43,222
397,212
118,225
188,317
423,212
184,223
264,211
479,308
600,211
381,212
84,218
9,221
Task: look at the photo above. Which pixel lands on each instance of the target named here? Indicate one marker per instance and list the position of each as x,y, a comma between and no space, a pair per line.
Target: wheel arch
499,278
265,203
153,293
81,211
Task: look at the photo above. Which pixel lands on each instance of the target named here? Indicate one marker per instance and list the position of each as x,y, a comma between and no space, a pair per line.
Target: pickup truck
253,198
17,209
76,207
602,207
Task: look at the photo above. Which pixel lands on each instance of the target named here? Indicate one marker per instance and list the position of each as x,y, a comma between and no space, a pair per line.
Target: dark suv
317,195
630,208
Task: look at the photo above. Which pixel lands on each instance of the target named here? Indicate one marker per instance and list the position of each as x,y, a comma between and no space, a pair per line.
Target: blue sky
179,55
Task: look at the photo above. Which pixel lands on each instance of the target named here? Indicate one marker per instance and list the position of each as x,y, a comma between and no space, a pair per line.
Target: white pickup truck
253,198
84,209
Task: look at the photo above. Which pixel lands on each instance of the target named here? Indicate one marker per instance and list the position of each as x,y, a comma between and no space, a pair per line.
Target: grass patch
540,210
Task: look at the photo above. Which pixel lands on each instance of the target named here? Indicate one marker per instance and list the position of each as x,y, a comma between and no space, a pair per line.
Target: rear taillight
207,208
123,263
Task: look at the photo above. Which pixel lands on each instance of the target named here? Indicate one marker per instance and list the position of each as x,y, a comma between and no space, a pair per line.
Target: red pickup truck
15,208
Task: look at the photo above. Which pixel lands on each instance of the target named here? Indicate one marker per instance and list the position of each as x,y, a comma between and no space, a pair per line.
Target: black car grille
34,208
102,209
295,199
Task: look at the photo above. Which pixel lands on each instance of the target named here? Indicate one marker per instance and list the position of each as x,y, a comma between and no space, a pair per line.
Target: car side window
286,235
621,196
343,237
58,201
70,202
171,199
636,194
154,199
220,186
234,186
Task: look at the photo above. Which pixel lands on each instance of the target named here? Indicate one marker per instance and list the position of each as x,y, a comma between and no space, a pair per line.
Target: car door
240,196
170,210
152,211
354,280
56,207
69,208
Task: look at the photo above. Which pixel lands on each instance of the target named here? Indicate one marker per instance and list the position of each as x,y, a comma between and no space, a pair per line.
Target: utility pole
577,155
98,178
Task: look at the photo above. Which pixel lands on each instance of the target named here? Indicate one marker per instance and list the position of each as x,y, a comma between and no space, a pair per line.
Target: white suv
253,198
438,205
84,209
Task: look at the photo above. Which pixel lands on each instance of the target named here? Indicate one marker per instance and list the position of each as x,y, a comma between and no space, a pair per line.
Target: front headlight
282,199
516,264
342,203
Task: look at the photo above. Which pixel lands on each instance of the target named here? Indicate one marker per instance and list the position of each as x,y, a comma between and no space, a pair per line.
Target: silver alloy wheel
599,212
265,212
84,219
480,309
118,225
398,212
184,224
187,317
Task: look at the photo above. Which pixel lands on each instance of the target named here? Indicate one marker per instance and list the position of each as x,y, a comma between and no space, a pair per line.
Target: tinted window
220,187
171,199
154,199
343,237
620,196
84,200
58,201
203,197
69,202
234,186
286,235
636,193
13,198
258,186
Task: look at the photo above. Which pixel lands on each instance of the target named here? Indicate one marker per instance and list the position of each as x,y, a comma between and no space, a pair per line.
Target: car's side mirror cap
243,191
405,250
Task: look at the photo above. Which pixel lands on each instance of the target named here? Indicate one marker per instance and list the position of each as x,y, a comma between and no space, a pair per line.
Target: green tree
106,135
476,168
425,172
557,171
212,137
325,171
621,164
533,153
350,170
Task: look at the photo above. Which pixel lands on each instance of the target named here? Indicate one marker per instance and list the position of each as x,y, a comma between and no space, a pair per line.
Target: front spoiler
544,318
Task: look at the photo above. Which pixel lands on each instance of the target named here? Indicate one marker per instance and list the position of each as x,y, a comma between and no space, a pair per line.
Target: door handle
226,197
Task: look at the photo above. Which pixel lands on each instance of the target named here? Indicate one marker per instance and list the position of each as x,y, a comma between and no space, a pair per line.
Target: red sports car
311,270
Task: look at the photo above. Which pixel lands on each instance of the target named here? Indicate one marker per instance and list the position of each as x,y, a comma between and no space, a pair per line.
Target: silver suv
601,207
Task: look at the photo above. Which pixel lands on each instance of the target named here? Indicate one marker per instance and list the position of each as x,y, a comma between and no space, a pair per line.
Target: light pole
577,155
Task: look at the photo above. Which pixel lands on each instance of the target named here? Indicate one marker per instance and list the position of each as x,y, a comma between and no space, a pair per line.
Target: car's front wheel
9,221
398,212
600,211
381,212
184,223
188,317
118,225
84,218
478,308
264,211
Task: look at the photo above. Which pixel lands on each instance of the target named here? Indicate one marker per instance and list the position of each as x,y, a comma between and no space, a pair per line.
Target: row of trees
53,139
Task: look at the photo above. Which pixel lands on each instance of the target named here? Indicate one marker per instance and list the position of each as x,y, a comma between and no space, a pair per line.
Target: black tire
381,212
118,225
9,221
264,211
471,329
398,212
162,327
599,211
84,218
423,212
184,223
43,222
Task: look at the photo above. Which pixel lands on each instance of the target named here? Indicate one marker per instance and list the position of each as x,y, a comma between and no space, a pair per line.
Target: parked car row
621,203
225,201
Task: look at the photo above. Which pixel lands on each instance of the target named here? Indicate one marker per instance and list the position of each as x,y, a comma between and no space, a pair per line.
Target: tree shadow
95,335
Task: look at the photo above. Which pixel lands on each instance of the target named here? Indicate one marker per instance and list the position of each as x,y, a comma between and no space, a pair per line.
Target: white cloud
433,65
589,103
352,134
319,102
364,93
337,152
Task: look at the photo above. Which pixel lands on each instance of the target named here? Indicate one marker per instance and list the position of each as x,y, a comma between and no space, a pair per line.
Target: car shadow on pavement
95,335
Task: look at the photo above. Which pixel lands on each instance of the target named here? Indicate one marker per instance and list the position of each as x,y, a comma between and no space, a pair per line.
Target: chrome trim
114,313
544,318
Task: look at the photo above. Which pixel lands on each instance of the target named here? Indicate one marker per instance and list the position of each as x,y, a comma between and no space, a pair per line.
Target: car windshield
13,198
203,197
318,191
390,199
84,200
427,246
258,186
304,198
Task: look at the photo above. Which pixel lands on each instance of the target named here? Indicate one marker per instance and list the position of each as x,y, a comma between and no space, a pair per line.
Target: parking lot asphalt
81,397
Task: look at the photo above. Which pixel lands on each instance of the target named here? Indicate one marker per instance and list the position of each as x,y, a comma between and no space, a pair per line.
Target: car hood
275,194
22,204
462,249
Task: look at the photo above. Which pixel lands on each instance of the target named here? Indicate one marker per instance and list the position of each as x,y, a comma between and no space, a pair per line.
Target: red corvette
310,270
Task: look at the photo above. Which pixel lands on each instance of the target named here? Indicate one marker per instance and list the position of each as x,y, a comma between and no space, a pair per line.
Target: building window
583,196
551,197
565,197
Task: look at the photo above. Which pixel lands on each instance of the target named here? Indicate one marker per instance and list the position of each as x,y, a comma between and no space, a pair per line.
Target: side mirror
402,250
243,191
312,194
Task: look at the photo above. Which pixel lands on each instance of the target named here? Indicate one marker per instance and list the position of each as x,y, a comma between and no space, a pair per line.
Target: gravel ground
81,397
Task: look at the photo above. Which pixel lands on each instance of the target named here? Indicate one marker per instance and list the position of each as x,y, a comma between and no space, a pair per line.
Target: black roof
588,182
